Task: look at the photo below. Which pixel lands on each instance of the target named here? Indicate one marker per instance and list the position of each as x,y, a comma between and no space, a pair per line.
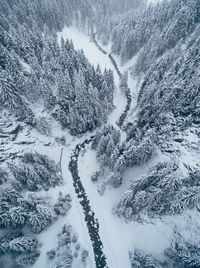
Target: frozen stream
89,215
112,238
96,56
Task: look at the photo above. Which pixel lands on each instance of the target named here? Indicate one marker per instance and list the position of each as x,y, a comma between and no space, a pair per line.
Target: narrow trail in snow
91,221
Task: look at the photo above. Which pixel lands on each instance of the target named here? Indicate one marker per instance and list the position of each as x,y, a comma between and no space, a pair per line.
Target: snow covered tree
63,204
26,260
3,176
40,218
120,164
18,216
43,126
9,96
49,98
65,91
22,244
183,253
115,179
162,191
138,153
141,259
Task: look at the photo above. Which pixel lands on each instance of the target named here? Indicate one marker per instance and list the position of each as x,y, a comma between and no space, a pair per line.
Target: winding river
89,215
91,221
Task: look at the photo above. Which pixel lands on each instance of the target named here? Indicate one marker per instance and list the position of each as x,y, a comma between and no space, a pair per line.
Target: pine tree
120,164
115,179
22,244
28,259
17,216
9,95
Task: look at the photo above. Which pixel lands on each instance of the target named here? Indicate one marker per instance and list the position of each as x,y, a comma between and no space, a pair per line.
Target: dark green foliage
34,69
24,249
182,253
140,259
63,204
67,249
166,39
117,156
16,212
107,144
36,172
3,176
162,191
156,30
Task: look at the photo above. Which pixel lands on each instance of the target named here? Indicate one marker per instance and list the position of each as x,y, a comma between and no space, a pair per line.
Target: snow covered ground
47,145
31,140
117,236
82,41
95,57
75,215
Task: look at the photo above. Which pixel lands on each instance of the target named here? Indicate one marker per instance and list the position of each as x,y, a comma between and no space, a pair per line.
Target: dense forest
37,74
53,99
165,39
67,85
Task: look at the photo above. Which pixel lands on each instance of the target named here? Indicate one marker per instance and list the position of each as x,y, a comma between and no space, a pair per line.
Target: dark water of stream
91,221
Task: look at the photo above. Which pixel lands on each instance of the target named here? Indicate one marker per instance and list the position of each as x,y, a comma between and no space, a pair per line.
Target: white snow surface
26,66
118,237
95,57
47,145
82,41
75,217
